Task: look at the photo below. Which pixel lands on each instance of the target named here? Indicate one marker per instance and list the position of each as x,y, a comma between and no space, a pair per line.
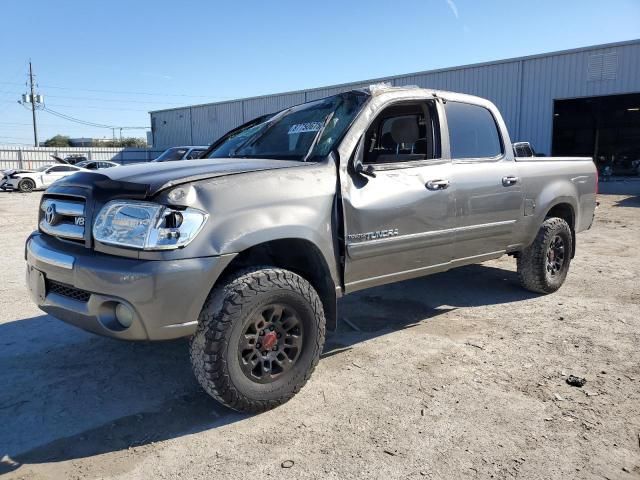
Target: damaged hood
160,175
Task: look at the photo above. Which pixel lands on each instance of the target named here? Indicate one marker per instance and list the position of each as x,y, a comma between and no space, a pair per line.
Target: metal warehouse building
584,101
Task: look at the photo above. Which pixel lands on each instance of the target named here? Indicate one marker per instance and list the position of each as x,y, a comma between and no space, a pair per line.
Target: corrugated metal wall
524,89
171,127
556,77
209,122
255,107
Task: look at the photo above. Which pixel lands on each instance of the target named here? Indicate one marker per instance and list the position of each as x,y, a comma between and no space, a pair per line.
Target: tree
58,141
133,142
124,142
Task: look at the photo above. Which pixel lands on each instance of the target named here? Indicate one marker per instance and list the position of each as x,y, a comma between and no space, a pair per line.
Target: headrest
405,130
387,141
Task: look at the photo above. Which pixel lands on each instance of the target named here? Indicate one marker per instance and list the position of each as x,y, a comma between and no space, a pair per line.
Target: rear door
488,190
398,217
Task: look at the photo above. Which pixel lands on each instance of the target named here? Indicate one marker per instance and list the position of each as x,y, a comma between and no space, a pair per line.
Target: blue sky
112,62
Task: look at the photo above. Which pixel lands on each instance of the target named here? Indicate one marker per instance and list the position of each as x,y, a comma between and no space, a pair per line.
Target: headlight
146,225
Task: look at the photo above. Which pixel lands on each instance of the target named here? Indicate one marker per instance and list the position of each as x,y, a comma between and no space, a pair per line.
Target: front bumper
5,184
166,296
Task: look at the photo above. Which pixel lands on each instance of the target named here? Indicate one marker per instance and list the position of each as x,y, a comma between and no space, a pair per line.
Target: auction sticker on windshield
305,127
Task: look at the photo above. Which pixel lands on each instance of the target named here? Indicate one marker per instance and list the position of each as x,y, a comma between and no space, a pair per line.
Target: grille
63,218
68,291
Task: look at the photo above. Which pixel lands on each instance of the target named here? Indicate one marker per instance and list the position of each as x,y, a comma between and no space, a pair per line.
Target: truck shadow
67,394
629,186
401,305
628,202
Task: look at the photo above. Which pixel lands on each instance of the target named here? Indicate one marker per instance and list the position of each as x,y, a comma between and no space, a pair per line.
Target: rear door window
63,168
473,132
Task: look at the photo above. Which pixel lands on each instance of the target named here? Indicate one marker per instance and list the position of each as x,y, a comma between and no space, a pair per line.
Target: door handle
437,184
508,181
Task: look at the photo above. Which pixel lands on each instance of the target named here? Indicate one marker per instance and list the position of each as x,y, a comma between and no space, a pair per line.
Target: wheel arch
300,256
28,179
565,211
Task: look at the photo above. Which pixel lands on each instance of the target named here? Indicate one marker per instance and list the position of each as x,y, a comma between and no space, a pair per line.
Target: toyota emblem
50,214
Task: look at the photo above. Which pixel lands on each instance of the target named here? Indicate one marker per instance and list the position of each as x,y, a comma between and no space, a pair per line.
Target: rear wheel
543,266
259,338
26,185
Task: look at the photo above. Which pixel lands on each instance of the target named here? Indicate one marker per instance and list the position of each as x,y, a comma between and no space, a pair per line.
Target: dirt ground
457,375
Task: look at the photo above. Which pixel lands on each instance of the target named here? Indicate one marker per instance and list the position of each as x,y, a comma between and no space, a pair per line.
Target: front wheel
26,185
543,265
259,338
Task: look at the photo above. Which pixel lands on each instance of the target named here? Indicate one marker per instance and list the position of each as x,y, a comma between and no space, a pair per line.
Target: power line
76,120
117,92
95,99
138,93
113,100
92,107
12,127
18,124
97,107
88,123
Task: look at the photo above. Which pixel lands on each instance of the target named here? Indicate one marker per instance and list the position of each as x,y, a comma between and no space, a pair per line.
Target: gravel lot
457,375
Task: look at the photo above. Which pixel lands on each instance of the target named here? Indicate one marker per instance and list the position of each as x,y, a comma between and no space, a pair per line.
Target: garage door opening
605,128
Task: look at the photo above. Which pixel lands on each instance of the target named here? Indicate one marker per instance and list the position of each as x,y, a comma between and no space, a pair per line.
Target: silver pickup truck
247,250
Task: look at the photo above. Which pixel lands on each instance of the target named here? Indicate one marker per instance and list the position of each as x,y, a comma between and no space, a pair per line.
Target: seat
405,134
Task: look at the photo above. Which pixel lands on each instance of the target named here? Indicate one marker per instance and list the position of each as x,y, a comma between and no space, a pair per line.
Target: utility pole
33,106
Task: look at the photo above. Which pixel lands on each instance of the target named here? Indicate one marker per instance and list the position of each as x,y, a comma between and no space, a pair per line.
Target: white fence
34,157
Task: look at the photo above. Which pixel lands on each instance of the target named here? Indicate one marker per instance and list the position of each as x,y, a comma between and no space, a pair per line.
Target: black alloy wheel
271,343
555,255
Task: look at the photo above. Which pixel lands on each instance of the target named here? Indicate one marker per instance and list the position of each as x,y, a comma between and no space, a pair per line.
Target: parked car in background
96,164
16,170
40,178
70,159
188,152
248,251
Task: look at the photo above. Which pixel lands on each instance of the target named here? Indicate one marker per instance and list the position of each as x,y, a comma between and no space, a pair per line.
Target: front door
399,213
56,173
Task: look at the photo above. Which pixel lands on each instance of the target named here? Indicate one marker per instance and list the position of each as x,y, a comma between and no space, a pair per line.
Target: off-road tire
532,261
26,185
214,347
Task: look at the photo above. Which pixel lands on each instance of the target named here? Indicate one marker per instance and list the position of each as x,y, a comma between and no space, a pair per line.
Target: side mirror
368,170
358,167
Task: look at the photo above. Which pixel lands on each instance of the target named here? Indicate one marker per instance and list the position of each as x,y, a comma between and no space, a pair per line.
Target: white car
96,164
187,152
40,178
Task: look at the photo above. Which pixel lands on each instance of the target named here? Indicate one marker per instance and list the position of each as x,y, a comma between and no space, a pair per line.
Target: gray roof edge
422,72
